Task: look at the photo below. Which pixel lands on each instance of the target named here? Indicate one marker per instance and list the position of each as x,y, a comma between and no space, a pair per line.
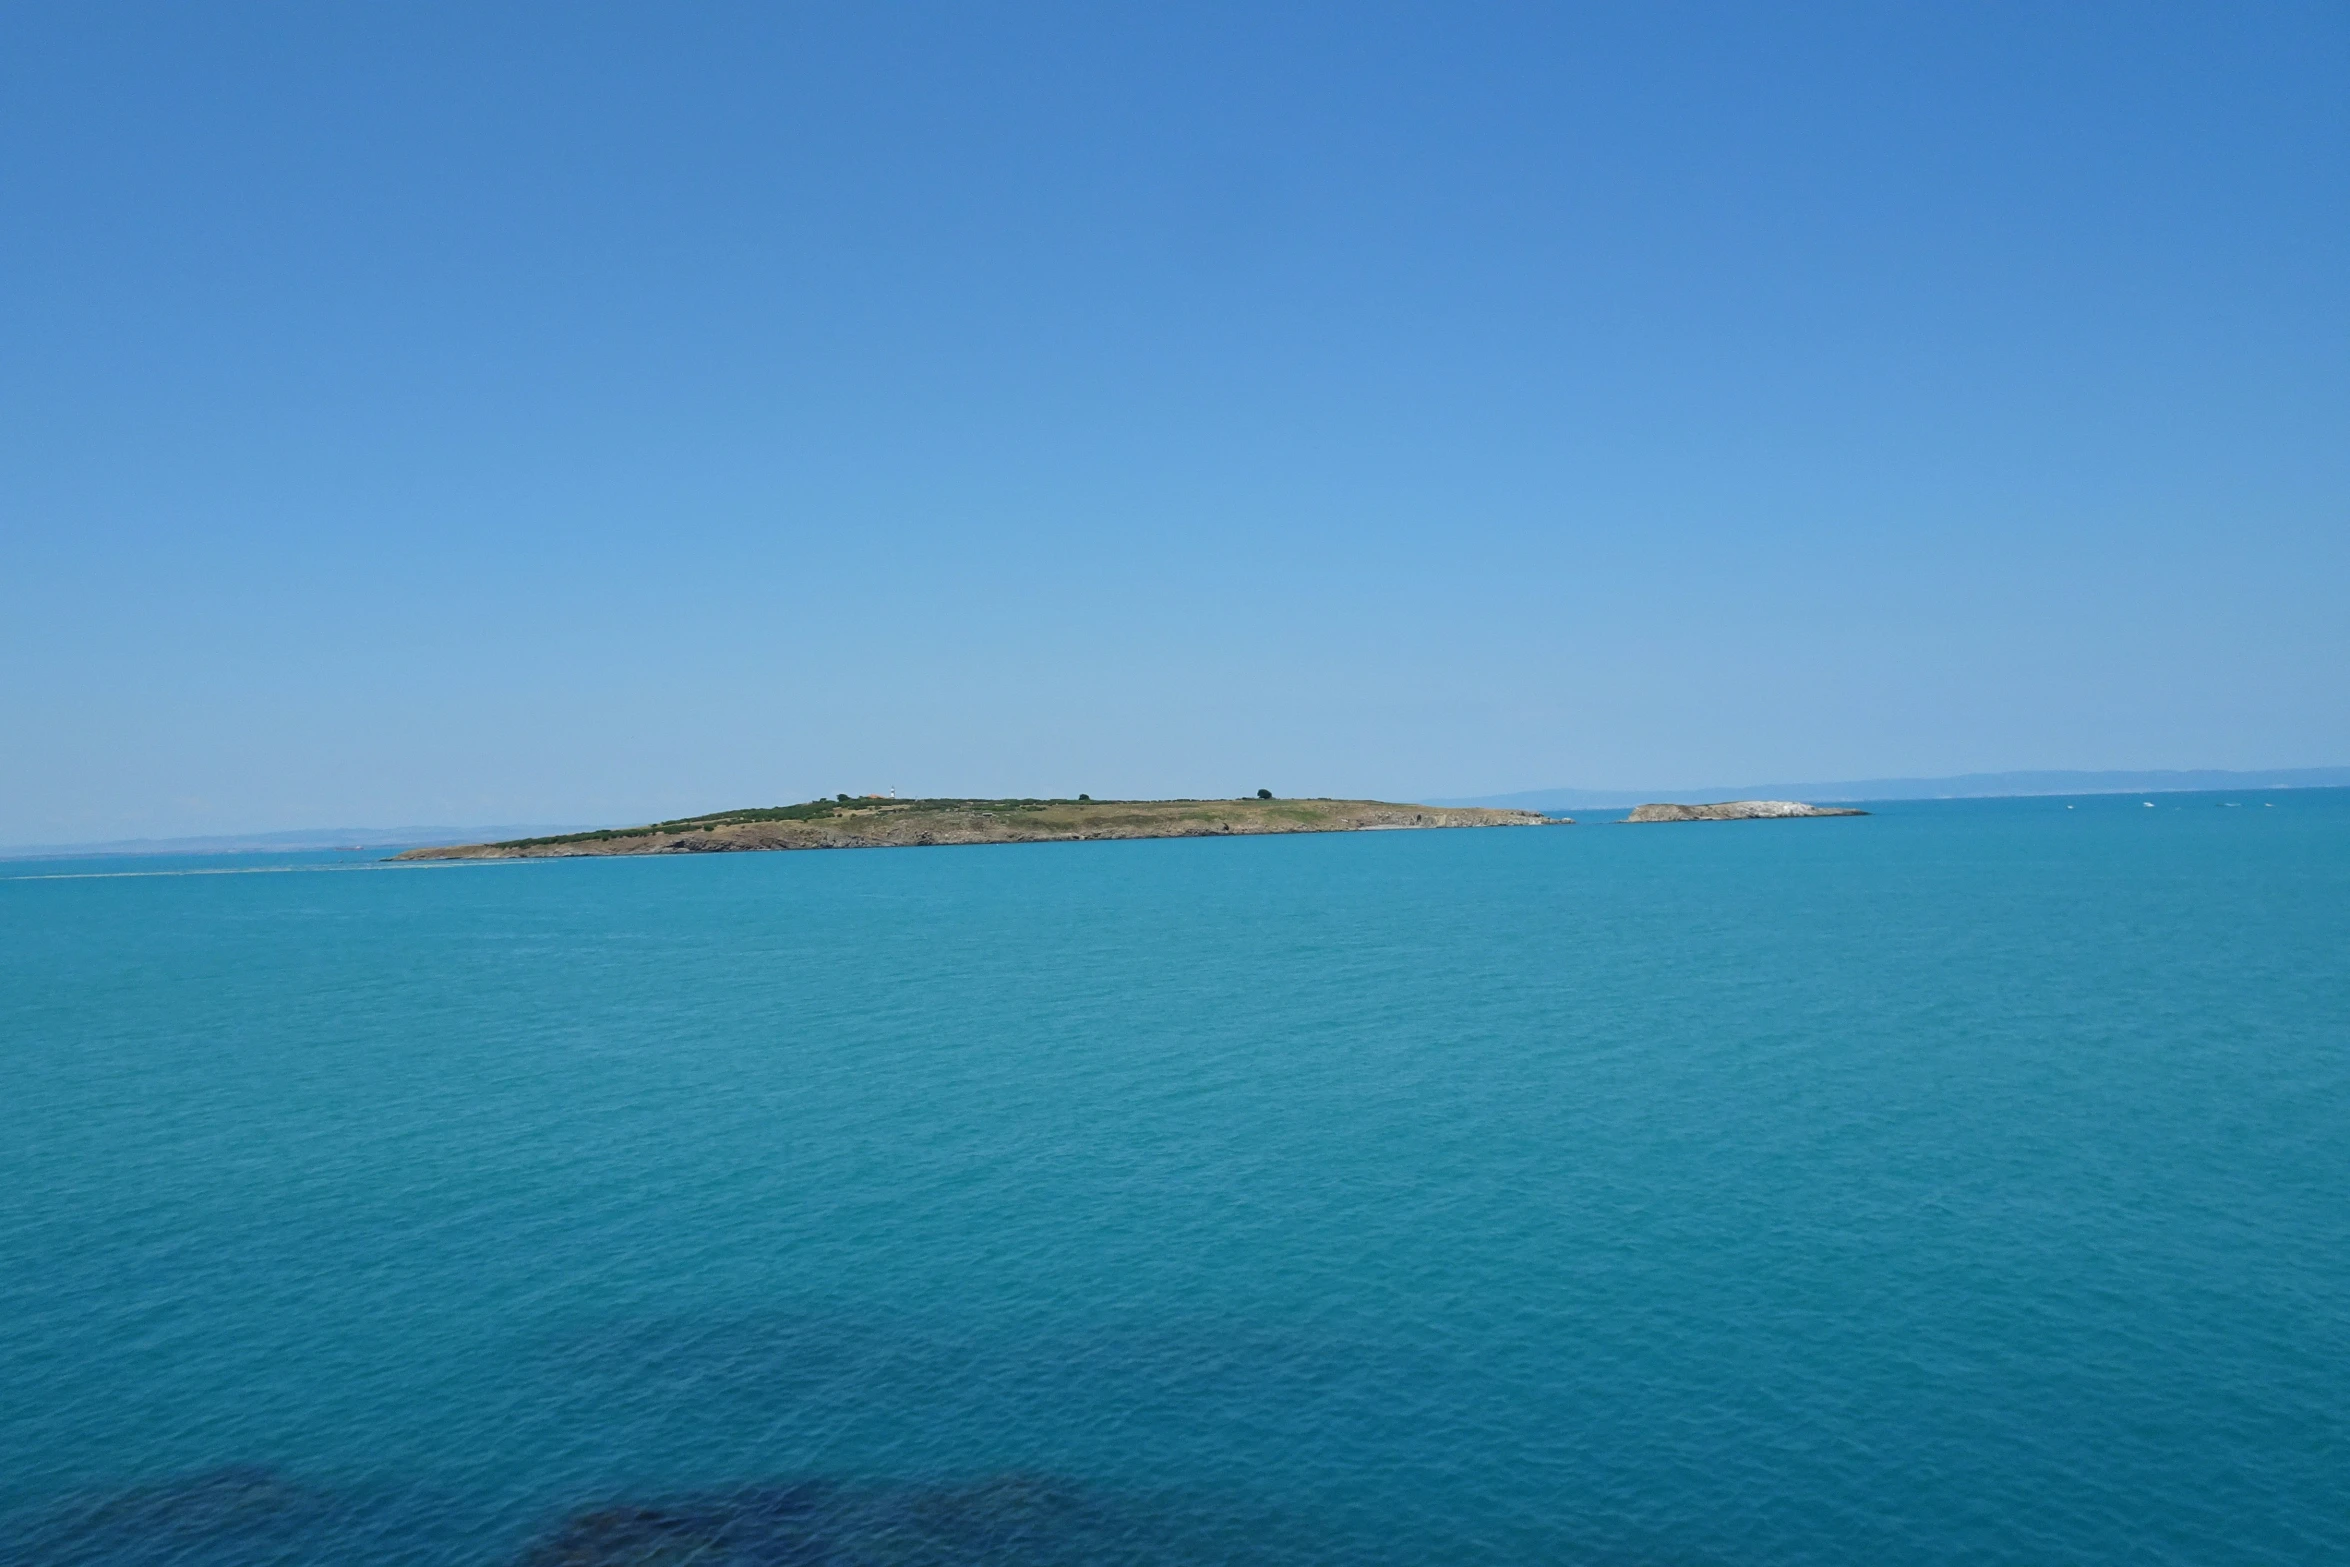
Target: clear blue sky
472,413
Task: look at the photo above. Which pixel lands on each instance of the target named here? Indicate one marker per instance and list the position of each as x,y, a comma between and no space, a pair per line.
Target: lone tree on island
1264,794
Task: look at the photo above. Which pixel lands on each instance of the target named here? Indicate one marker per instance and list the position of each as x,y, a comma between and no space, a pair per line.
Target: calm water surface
1965,1184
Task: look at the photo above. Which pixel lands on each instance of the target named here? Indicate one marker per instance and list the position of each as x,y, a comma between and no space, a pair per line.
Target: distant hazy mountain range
1967,786
284,842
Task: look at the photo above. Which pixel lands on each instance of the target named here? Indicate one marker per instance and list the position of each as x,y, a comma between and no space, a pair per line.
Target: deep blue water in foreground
1965,1184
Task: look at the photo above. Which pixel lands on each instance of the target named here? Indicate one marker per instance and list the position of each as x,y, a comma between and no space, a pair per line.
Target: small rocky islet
1736,811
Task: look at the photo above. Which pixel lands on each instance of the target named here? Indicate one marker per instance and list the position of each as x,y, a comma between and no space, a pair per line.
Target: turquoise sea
1969,1183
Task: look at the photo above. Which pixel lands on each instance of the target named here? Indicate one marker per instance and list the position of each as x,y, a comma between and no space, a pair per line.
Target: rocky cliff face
1737,811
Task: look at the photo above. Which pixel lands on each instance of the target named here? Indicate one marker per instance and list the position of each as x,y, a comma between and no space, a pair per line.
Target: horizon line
2021,784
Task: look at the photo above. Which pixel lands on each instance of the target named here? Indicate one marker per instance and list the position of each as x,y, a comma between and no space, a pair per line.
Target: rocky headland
871,822
1737,811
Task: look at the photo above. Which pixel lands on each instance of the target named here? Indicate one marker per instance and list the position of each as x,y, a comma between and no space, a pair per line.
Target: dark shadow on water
1009,1519
246,1516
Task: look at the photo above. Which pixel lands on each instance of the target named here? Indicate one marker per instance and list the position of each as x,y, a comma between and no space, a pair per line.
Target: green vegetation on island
876,821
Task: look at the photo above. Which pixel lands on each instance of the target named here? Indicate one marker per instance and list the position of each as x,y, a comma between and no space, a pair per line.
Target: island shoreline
880,823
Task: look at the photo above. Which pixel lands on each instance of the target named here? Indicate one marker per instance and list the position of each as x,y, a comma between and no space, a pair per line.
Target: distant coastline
296,841
872,822
1963,786
1545,802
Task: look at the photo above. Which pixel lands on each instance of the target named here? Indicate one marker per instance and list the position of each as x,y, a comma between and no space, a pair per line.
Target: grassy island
873,822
